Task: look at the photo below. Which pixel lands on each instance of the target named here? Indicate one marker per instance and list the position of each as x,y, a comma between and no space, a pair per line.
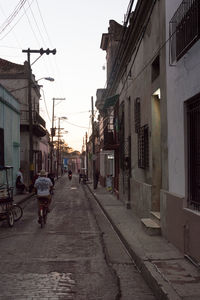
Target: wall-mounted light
157,93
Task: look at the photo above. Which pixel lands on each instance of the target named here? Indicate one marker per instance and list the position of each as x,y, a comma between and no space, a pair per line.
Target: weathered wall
182,225
10,122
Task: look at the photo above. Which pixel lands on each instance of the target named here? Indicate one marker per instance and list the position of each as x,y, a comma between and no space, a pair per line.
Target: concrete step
155,216
151,227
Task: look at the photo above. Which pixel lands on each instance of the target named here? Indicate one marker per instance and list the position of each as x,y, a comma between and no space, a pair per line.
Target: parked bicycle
8,210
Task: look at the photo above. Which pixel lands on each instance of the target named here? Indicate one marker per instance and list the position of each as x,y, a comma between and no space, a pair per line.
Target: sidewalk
20,198
169,274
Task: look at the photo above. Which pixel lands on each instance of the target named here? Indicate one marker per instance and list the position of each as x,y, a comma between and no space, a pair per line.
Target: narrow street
76,256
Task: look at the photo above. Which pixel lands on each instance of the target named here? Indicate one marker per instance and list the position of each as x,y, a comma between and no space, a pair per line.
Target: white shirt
43,184
19,173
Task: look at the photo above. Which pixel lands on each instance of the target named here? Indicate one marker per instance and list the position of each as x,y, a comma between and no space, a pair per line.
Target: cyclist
43,186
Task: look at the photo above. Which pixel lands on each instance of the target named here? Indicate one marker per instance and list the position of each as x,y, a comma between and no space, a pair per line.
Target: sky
74,29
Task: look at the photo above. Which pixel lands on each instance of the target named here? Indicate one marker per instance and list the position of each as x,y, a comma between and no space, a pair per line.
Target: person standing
20,181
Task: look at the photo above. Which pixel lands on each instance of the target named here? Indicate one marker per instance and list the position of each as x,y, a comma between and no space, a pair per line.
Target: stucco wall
182,84
141,198
182,225
10,122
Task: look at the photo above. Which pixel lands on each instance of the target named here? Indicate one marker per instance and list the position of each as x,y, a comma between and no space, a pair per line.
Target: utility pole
93,147
41,52
86,155
58,150
53,132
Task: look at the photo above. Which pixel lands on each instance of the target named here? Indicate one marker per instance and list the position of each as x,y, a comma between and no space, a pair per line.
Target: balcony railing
39,125
184,28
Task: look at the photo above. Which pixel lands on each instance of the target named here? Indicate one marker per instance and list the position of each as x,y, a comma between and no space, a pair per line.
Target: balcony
39,125
184,29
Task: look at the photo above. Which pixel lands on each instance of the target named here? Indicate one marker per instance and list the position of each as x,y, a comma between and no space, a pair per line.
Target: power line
76,125
31,27
9,20
45,105
15,23
36,23
43,22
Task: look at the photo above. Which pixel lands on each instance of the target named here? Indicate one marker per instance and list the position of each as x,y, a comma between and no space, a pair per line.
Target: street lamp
46,78
24,87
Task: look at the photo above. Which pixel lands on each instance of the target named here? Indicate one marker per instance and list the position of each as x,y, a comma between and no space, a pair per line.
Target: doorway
156,152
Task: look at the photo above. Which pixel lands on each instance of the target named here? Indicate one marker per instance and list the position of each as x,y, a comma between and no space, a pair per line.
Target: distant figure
70,174
52,177
20,181
96,179
31,186
80,176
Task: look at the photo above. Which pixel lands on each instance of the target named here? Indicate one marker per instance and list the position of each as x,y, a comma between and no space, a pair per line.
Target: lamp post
47,78
25,87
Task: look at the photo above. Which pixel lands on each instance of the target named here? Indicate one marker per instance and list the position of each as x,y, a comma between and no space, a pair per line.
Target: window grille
155,68
193,128
137,114
184,28
143,147
1,146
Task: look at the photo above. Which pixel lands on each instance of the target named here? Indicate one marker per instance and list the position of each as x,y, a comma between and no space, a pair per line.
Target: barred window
137,114
2,147
143,147
193,127
184,28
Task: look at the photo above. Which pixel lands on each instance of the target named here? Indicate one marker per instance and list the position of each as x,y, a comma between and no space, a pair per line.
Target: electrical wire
31,27
36,23
149,61
76,125
46,105
43,23
9,20
56,69
14,24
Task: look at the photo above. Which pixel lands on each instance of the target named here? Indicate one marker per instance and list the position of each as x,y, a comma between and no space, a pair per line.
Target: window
193,129
184,28
137,114
155,68
1,147
143,147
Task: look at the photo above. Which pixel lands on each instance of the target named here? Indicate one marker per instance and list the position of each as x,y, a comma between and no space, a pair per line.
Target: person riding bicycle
43,186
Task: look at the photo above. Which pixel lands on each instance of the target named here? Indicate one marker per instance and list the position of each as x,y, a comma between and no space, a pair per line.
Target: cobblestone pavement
38,286
58,261
76,256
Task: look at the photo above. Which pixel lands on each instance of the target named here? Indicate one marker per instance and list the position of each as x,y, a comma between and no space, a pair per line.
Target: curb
160,287
22,200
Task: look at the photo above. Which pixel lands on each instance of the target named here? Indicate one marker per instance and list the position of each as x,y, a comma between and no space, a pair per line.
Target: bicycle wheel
10,218
45,215
17,212
41,217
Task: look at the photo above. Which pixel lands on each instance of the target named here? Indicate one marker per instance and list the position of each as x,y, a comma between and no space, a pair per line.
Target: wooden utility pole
93,147
53,131
41,52
86,155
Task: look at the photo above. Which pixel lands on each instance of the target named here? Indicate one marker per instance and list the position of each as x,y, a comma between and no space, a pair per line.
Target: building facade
9,131
15,78
181,203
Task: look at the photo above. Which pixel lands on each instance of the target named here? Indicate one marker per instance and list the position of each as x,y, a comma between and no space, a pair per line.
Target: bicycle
8,210
43,211
17,212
